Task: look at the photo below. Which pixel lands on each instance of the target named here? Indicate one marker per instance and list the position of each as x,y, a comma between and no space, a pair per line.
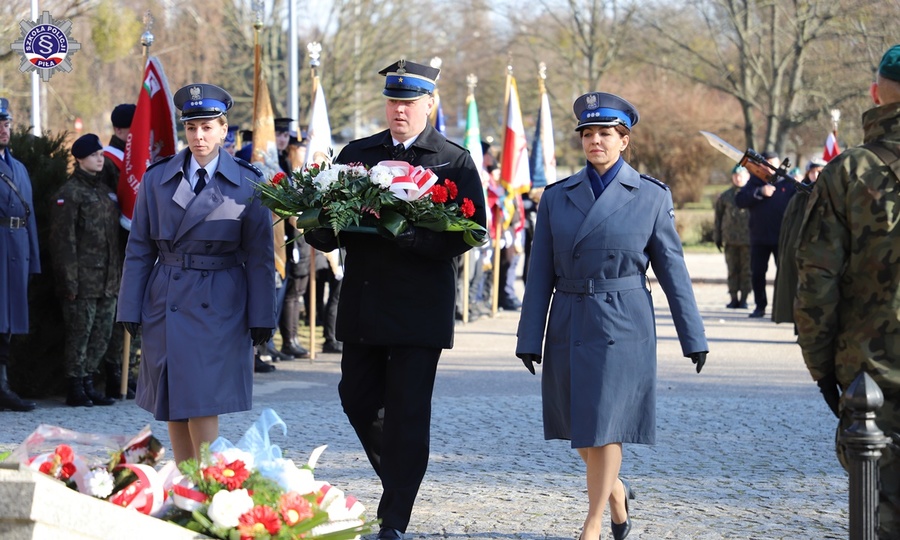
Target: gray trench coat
599,359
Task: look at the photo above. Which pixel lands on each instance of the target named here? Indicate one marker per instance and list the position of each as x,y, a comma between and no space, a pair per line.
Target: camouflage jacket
732,224
847,308
84,238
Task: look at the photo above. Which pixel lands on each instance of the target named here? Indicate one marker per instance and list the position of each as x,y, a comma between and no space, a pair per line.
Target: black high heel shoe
621,530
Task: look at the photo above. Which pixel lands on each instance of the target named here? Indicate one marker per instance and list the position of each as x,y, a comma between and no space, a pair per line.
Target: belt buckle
186,261
16,222
589,286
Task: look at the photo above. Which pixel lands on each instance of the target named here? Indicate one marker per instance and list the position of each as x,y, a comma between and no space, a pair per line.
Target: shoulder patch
246,164
163,160
659,183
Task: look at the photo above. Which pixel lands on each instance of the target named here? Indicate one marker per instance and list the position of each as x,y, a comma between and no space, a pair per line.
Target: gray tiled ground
744,450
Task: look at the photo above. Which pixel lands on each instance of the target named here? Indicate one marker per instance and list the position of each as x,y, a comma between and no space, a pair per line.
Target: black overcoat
405,296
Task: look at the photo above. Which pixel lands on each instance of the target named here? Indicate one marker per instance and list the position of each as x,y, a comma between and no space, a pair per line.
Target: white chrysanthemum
357,170
227,507
99,482
326,178
381,175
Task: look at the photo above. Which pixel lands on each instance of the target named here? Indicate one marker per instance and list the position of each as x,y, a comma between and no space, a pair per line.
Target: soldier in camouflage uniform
84,246
732,232
847,308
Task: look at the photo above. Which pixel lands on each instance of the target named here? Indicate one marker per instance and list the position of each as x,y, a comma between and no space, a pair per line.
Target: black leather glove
407,238
698,358
132,328
831,391
321,238
530,359
261,336
719,246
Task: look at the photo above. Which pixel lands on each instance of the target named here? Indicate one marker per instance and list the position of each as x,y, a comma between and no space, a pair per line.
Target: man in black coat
397,306
767,203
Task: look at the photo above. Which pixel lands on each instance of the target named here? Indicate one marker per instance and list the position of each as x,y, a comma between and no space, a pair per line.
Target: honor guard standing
397,303
731,233
847,308
199,277
84,248
19,255
596,234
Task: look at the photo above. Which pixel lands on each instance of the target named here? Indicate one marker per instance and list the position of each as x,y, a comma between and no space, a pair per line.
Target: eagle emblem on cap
196,93
401,66
592,101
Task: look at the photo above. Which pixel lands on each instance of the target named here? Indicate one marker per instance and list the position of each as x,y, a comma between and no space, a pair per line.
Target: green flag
472,142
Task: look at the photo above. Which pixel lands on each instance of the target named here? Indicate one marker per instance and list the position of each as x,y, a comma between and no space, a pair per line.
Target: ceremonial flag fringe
543,150
320,143
831,147
514,173
151,138
265,151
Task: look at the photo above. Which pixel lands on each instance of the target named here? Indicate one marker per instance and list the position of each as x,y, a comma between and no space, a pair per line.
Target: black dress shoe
278,356
295,350
332,347
387,533
621,530
262,367
758,313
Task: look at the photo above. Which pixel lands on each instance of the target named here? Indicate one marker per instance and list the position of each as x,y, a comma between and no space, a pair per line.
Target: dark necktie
201,181
398,151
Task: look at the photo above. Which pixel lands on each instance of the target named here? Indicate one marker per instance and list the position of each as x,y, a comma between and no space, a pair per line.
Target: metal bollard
863,441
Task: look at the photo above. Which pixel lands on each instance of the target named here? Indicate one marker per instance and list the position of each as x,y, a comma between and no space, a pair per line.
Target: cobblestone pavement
744,450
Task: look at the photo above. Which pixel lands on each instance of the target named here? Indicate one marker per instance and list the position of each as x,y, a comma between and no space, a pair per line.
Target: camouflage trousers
88,324
737,259
114,350
888,420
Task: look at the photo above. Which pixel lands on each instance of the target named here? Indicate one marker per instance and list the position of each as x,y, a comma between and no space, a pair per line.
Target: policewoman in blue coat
199,277
596,234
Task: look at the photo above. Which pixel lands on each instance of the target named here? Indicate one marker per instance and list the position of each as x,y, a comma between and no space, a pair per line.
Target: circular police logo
46,46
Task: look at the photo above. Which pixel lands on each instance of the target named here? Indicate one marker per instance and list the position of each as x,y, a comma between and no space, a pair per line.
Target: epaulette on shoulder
160,162
659,183
248,165
554,184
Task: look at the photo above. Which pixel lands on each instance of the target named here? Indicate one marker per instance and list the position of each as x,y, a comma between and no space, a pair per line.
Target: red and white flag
151,138
831,148
514,172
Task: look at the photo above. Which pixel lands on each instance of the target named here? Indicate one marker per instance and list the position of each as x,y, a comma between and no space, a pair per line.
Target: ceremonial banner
151,138
472,140
831,148
320,143
543,150
514,173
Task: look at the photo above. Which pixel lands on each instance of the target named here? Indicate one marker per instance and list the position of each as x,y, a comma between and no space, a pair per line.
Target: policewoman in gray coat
199,277
596,234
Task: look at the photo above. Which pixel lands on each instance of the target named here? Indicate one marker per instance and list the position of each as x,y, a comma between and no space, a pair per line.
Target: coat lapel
616,195
210,198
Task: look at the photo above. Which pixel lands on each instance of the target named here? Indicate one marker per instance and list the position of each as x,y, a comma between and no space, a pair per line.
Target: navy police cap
606,110
4,109
202,101
231,135
283,124
408,81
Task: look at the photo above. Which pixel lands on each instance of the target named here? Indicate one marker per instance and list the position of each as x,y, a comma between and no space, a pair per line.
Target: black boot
734,302
113,372
9,399
742,301
96,397
76,396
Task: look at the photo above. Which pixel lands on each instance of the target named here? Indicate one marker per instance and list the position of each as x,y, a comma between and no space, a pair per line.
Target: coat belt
12,222
201,262
598,285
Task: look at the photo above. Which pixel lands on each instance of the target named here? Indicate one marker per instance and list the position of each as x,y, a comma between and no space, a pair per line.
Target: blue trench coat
197,357
599,360
19,254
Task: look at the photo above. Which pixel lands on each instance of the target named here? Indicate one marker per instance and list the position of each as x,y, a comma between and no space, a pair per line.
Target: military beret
86,145
889,68
408,81
769,154
4,109
605,110
201,100
122,115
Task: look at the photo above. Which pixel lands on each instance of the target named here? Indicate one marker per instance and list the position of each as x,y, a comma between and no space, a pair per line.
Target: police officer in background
848,295
230,143
396,310
19,252
87,264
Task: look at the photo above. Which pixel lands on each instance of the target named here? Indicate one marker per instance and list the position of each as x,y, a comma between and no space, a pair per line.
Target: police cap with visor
4,109
408,81
604,110
199,101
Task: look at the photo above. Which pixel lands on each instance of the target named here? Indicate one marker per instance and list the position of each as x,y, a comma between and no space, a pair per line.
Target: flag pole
471,81
314,49
146,43
835,120
498,213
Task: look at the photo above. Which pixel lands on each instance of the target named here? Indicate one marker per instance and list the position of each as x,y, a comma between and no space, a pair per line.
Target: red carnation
277,179
439,194
46,467
259,522
68,469
467,208
451,188
65,453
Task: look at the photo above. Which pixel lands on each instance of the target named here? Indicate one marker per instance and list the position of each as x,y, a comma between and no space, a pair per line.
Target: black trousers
386,395
759,263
